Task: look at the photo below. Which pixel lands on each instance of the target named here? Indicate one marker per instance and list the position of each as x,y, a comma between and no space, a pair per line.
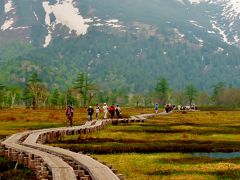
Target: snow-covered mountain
223,15
226,21
195,30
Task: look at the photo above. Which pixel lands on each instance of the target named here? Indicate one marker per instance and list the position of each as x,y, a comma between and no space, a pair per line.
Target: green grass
171,166
161,147
198,132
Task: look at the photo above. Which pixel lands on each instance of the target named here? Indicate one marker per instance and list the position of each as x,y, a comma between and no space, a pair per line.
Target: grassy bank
7,171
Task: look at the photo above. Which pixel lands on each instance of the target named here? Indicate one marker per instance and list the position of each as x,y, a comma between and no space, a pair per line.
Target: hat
90,106
104,103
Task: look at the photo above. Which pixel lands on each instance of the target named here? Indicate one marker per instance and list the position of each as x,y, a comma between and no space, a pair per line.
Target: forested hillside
127,44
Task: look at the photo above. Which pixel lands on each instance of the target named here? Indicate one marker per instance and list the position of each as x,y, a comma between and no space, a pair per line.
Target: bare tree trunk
13,98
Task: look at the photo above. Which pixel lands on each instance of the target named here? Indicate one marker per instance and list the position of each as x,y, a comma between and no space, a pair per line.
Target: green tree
137,99
162,89
180,98
27,97
217,91
2,95
191,93
230,97
63,100
38,91
54,99
70,99
85,88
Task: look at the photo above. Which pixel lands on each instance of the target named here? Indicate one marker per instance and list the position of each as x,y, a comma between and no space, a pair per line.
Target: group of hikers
116,110
112,110
168,108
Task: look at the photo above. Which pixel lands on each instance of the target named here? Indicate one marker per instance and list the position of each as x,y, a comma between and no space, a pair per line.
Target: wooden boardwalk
55,163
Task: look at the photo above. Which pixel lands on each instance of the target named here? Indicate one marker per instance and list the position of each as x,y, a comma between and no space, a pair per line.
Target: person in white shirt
105,110
97,111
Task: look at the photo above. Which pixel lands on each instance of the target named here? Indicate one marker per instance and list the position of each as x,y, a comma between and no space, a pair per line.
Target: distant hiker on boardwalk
156,108
105,110
69,114
179,107
118,111
168,108
97,111
90,112
112,111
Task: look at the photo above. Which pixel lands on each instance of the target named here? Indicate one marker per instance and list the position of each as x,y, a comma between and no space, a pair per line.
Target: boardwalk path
59,164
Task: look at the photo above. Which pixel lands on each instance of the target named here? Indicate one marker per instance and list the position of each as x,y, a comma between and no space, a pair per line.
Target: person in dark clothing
90,112
69,114
118,111
156,108
168,108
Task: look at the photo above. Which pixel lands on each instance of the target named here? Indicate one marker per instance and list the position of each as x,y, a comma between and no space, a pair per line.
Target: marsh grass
191,132
171,166
17,120
141,151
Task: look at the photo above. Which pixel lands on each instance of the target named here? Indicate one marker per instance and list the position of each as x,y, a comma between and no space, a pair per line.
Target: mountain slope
121,44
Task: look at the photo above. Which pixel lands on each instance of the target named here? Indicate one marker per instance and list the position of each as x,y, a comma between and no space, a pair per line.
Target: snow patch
201,42
35,15
211,32
221,32
195,23
112,21
65,14
7,24
48,11
20,28
99,24
8,6
178,33
196,1
232,9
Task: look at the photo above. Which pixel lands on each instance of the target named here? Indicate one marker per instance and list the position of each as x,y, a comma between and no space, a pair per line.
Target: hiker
156,108
97,111
69,114
112,111
90,112
168,108
105,110
118,111
179,107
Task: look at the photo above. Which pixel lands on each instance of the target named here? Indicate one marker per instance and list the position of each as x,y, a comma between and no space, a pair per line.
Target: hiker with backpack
69,114
90,112
112,111
118,111
156,108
